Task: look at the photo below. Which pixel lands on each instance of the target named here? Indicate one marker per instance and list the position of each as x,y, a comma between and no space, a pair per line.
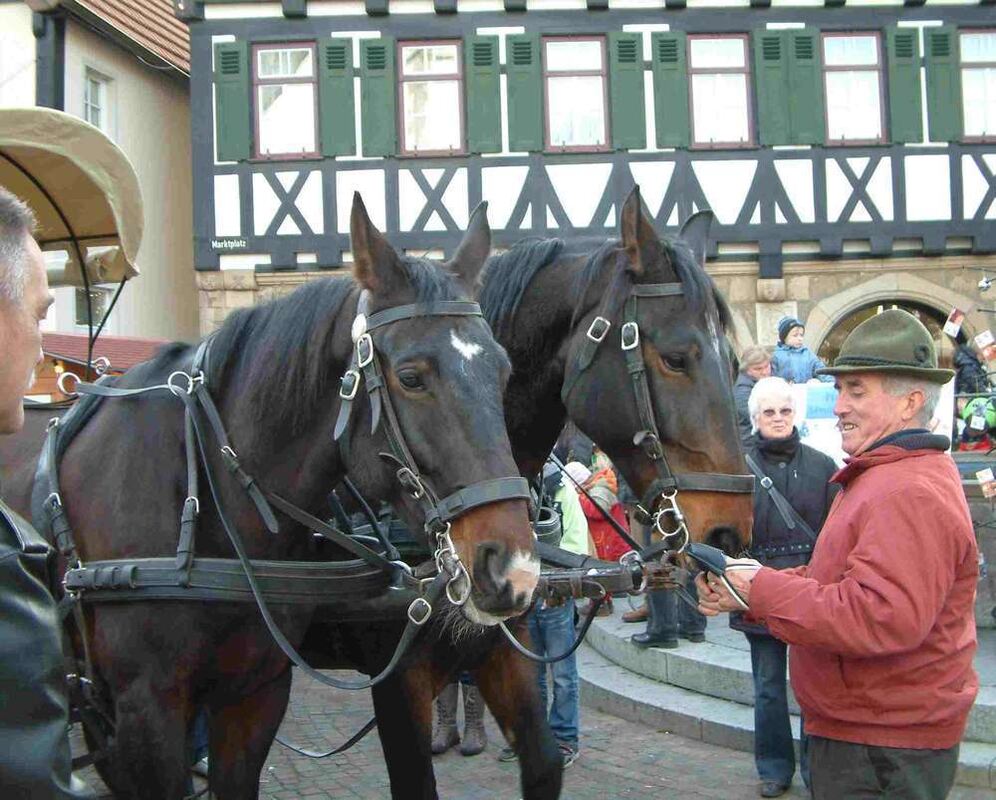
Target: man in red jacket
881,622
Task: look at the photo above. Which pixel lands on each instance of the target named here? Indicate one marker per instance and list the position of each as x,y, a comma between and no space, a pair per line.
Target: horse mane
281,350
507,276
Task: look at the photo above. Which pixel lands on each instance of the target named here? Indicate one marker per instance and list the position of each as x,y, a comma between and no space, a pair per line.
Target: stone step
720,667
610,688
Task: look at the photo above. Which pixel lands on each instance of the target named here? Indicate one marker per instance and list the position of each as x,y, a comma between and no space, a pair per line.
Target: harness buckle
410,481
419,606
364,350
630,329
598,329
349,384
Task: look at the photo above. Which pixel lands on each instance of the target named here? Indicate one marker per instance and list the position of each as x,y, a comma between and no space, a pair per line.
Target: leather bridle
438,514
659,505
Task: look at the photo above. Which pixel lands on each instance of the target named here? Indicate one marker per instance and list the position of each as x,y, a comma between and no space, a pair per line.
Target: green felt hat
893,342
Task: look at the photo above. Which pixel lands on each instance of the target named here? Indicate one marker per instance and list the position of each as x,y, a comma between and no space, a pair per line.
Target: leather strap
789,515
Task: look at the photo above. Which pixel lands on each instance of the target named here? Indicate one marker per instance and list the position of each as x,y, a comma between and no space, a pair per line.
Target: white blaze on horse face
467,349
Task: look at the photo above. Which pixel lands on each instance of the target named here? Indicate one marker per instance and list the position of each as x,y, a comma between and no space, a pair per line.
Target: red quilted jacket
881,622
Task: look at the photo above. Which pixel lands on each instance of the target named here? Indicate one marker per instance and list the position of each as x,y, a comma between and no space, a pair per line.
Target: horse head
444,375
664,323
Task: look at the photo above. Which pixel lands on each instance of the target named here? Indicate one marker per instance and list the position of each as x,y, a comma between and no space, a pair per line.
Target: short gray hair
768,387
754,356
16,222
900,385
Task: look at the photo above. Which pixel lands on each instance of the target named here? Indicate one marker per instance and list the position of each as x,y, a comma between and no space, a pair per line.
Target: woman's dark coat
802,476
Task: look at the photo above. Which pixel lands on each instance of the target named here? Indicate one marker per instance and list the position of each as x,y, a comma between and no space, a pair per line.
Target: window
853,77
576,102
978,83
96,100
720,97
98,300
431,98
285,94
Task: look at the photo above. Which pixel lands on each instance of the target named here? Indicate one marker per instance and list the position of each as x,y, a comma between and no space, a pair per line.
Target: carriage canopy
82,188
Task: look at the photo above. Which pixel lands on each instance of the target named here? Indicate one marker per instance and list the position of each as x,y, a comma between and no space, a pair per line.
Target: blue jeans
774,755
552,632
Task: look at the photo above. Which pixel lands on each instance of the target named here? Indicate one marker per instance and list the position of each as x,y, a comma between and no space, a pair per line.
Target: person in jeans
881,621
784,536
552,631
35,758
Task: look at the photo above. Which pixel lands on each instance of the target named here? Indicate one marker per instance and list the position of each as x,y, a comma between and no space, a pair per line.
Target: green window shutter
668,60
771,70
377,97
483,94
525,92
231,102
943,83
629,117
905,107
335,82
805,87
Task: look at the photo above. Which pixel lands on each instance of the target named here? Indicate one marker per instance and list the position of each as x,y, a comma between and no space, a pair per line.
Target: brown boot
475,738
637,614
445,734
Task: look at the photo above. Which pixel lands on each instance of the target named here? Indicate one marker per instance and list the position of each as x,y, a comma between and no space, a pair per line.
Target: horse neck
537,344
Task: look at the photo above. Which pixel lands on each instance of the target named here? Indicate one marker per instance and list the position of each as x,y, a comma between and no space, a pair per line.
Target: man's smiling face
866,412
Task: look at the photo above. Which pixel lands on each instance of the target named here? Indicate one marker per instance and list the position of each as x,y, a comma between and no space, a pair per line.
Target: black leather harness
310,583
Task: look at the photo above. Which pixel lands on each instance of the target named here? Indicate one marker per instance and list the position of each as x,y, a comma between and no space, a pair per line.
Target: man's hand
715,598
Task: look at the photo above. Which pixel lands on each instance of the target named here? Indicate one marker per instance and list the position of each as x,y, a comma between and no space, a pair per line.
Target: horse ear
374,260
640,242
474,248
695,232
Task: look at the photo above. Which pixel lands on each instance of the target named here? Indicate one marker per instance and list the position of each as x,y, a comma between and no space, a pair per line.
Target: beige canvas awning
82,188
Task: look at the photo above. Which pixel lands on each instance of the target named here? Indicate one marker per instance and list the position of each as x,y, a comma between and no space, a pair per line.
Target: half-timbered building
847,149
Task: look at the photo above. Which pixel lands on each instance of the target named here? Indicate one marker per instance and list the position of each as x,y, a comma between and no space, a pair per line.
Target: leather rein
186,577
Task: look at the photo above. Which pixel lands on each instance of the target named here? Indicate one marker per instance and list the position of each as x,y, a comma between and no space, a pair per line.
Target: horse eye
675,362
410,379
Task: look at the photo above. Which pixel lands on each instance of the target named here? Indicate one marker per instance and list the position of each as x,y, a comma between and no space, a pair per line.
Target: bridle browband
365,368
660,502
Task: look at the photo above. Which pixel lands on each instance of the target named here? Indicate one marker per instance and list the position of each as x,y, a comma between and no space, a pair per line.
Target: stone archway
827,313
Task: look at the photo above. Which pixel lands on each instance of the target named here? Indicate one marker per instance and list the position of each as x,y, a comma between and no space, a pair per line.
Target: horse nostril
490,567
726,539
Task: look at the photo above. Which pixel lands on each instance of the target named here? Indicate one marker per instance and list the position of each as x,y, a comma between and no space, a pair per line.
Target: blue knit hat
785,324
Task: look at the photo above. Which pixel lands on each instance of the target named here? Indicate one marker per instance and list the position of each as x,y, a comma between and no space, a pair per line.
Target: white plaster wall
17,56
151,124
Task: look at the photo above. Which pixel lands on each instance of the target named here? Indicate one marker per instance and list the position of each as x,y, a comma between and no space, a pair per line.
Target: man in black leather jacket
783,537
35,761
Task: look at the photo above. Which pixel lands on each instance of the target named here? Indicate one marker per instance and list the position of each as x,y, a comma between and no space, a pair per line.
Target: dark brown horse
274,373
542,298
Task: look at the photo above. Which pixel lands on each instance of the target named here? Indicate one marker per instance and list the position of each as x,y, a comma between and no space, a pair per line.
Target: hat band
873,361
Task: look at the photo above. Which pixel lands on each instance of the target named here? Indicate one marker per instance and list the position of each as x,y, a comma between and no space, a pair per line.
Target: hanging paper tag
953,323
977,423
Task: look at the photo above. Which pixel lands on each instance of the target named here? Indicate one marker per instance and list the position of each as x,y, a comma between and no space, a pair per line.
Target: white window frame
989,134
452,77
744,70
877,69
602,74
104,104
256,82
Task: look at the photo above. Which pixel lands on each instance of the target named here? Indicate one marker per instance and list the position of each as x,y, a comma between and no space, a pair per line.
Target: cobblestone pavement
618,760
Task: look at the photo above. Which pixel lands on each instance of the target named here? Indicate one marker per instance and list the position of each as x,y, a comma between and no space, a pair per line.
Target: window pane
720,108
436,59
854,109
432,115
978,87
577,111
286,118
288,63
850,51
713,53
573,56
978,47
93,101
